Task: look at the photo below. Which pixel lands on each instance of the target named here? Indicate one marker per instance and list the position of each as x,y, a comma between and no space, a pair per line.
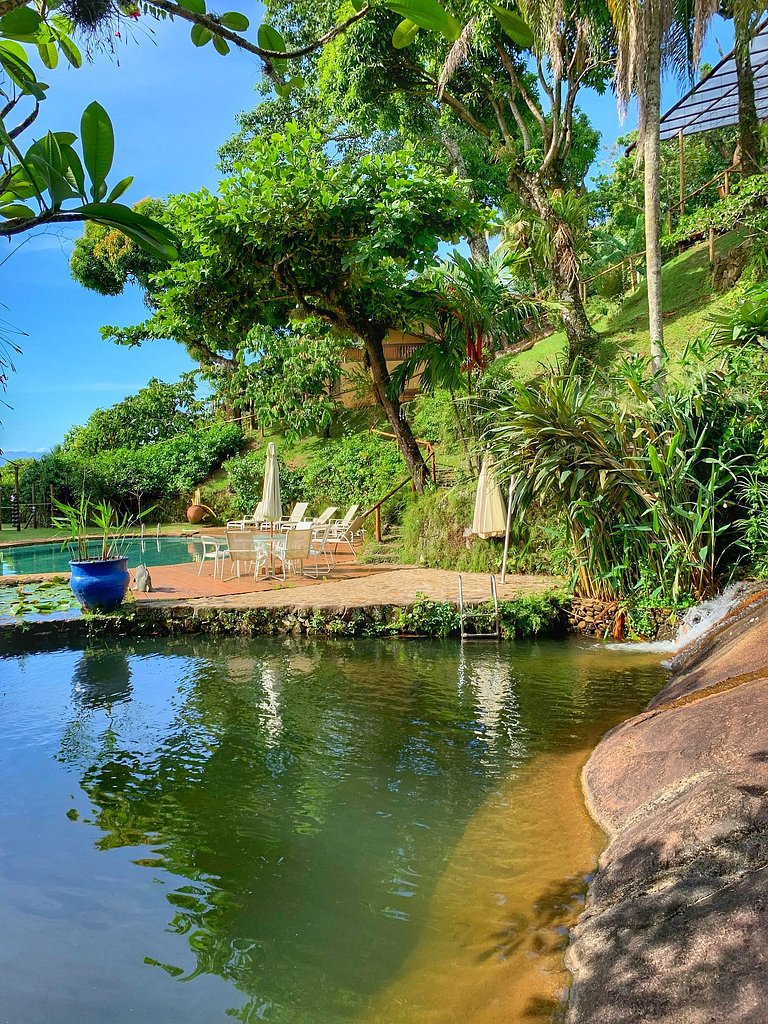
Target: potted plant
98,581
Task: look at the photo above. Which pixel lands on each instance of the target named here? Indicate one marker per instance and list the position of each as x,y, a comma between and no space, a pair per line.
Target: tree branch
15,225
514,78
28,120
268,56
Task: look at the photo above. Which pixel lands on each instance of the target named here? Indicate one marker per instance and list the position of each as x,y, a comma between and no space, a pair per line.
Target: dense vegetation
624,398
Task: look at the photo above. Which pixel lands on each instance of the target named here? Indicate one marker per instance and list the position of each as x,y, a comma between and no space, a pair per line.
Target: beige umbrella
271,506
490,519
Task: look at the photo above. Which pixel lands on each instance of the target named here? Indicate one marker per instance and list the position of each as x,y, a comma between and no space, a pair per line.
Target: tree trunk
649,132
374,346
578,330
565,274
749,130
478,244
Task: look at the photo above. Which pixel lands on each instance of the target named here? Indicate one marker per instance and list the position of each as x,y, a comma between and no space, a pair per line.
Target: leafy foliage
157,412
129,476
646,483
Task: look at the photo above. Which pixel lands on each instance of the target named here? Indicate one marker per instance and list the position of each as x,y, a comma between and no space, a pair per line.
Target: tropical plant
645,483
77,521
746,324
473,313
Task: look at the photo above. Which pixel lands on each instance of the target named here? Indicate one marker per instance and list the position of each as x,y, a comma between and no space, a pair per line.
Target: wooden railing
629,265
427,445
375,510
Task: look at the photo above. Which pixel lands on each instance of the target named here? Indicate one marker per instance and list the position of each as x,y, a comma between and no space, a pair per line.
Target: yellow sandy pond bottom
493,944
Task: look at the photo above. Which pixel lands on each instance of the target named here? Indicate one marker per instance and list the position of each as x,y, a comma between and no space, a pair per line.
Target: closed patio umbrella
271,506
490,519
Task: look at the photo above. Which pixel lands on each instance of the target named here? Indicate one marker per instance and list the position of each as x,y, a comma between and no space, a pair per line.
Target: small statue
142,581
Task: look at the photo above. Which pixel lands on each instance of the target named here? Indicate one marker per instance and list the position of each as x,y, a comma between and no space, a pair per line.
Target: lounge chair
325,517
249,522
291,549
242,546
296,516
347,535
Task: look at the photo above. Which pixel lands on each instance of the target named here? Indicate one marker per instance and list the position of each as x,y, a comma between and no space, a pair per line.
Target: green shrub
130,477
433,534
354,468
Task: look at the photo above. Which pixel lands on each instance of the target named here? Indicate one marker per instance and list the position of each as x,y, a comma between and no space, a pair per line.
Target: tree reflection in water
304,797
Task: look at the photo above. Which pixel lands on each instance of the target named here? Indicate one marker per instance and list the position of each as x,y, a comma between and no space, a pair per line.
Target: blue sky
172,105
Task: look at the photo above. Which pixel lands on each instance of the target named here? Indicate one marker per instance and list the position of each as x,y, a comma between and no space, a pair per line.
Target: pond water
195,831
33,558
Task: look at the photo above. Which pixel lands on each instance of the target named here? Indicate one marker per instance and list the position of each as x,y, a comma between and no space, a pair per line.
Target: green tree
157,412
295,233
285,378
511,115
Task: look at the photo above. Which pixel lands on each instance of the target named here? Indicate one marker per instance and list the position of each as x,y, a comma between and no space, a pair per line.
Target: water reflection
101,678
294,804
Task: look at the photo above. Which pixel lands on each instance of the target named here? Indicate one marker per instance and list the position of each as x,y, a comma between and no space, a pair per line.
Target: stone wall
605,619
676,925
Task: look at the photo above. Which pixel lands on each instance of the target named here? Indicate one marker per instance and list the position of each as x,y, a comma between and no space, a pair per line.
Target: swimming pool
296,831
32,558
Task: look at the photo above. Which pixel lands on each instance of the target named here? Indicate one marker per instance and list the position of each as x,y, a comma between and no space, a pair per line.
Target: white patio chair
348,537
296,516
249,522
291,549
215,550
242,546
325,517
319,549
340,526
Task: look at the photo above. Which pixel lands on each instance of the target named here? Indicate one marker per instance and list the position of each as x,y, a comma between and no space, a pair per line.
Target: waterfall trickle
694,625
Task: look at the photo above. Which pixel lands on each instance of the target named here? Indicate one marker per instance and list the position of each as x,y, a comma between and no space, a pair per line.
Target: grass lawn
688,301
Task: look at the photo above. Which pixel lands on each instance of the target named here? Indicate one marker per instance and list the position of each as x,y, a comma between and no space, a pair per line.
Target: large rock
676,927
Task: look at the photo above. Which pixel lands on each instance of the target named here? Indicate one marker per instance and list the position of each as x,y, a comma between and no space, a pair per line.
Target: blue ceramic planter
100,585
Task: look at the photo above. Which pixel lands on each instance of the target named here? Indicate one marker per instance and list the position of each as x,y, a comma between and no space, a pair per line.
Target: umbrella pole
506,532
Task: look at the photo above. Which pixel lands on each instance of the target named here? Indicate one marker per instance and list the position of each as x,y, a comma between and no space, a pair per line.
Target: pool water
34,558
295,831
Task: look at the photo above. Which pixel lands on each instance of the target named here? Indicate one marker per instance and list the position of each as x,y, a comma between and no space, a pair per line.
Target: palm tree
650,33
470,313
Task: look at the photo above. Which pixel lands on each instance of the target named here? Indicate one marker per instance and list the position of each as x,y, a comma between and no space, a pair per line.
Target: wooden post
34,509
727,183
681,169
377,525
16,491
669,219
50,494
711,245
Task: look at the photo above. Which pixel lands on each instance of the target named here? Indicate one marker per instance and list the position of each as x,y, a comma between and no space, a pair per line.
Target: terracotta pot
196,514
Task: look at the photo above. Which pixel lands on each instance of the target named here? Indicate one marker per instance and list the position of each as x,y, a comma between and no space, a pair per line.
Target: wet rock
676,926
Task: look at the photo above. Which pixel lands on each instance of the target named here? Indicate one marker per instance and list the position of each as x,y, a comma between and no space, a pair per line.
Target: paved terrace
350,585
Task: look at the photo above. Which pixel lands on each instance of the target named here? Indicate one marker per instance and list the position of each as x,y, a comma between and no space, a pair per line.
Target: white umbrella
271,506
490,519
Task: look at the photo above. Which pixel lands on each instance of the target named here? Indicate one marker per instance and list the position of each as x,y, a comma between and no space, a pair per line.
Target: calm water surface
199,831
31,558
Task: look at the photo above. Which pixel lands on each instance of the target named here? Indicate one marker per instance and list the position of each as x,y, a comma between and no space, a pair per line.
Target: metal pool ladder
463,617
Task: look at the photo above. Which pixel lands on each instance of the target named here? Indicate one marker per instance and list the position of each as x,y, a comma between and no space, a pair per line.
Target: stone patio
350,585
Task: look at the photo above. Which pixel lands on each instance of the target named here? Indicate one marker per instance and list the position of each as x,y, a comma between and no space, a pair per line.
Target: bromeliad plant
79,521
